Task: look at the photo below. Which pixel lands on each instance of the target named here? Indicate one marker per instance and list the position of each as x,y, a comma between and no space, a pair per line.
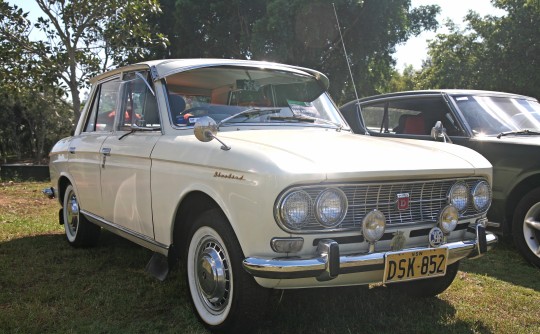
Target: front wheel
224,296
526,227
79,231
428,287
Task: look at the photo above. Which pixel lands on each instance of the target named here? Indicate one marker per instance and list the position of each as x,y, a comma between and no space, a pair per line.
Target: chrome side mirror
206,129
438,131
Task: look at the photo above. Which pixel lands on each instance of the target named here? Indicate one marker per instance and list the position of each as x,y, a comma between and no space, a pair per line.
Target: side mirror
438,131
206,129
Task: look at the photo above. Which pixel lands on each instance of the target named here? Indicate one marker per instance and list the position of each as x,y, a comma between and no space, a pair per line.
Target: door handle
72,149
106,151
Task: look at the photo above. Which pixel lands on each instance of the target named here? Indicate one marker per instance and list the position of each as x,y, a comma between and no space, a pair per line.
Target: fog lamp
373,226
448,218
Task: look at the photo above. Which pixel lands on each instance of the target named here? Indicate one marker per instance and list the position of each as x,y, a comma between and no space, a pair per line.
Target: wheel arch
191,206
516,194
63,182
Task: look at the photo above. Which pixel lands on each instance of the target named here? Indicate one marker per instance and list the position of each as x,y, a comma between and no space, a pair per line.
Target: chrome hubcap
72,213
531,229
212,274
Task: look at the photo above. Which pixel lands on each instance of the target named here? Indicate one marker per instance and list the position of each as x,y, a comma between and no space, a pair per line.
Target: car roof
165,67
435,92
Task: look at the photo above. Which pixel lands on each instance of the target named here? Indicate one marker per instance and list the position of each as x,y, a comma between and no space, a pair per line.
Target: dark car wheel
428,287
526,227
79,231
226,298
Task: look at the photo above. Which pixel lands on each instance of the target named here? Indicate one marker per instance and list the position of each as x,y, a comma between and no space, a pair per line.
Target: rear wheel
428,287
225,297
79,231
526,227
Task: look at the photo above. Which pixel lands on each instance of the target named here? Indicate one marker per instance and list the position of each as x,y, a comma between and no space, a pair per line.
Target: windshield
233,96
488,115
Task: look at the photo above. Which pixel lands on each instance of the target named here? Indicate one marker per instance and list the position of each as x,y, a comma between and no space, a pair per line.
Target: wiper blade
305,118
250,113
520,132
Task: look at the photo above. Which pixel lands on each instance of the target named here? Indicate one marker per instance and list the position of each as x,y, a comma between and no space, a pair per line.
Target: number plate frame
415,264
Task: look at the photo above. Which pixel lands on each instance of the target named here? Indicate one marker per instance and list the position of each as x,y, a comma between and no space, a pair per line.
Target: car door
84,150
125,171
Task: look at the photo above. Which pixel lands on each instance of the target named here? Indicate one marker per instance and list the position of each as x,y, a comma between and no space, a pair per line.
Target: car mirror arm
205,130
439,131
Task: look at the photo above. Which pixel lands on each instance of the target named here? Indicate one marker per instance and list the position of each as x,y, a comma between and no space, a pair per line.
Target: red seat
414,125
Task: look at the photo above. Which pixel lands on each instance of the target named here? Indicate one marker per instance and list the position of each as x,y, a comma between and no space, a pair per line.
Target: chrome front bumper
328,263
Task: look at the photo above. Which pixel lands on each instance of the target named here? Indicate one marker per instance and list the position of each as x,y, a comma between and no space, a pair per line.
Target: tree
299,32
84,37
495,53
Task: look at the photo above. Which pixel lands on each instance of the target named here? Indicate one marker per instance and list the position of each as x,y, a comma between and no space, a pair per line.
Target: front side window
236,96
493,115
409,116
103,107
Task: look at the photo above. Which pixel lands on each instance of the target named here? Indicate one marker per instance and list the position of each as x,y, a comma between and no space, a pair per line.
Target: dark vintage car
504,128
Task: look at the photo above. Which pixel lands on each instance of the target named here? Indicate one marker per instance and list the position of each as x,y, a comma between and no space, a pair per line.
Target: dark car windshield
235,96
493,115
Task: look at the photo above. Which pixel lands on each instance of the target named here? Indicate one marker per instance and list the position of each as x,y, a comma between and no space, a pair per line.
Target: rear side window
103,107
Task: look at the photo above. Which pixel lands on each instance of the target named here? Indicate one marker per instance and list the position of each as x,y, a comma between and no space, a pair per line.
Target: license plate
410,265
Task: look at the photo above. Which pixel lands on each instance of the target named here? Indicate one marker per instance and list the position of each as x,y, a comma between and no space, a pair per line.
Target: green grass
48,286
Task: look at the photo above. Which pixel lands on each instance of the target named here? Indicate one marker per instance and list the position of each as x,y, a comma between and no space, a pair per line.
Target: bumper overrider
327,263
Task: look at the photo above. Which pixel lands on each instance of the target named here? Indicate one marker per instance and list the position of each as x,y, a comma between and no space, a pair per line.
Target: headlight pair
460,196
329,208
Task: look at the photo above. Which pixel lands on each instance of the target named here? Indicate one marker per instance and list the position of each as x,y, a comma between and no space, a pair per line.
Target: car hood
343,155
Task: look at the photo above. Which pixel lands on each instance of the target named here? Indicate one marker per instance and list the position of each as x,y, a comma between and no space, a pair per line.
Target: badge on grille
436,237
402,201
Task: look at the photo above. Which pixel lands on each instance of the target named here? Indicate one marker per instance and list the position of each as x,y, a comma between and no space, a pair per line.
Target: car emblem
402,201
436,237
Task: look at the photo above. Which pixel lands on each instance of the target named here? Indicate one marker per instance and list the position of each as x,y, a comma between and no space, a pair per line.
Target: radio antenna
345,52
348,65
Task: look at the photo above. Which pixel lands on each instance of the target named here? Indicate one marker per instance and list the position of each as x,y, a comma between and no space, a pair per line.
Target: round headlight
449,218
296,209
331,207
373,226
481,196
459,196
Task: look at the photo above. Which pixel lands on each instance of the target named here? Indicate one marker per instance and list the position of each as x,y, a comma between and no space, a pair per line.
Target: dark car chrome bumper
328,263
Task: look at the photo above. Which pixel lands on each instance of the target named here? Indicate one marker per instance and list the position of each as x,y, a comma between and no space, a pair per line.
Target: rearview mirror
205,129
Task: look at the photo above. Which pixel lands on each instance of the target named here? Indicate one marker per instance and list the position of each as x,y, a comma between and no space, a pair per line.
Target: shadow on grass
506,264
49,286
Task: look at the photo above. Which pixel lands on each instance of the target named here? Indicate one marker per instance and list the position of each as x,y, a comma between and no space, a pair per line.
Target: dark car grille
426,200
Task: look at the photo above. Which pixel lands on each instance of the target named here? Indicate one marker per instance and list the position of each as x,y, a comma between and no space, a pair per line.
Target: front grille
426,200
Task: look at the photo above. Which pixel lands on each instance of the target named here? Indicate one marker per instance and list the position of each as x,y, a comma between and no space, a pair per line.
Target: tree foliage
494,53
299,32
83,38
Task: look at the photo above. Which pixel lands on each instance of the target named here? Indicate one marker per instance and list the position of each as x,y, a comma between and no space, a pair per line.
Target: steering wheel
187,116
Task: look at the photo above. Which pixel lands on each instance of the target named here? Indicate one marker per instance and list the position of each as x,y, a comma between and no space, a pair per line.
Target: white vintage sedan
246,172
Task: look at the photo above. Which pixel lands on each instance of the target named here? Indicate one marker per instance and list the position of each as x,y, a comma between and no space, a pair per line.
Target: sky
415,49
410,53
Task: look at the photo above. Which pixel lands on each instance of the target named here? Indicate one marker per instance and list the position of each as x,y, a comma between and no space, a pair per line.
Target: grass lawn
48,286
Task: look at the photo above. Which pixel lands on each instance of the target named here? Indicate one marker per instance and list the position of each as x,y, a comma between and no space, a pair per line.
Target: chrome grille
426,199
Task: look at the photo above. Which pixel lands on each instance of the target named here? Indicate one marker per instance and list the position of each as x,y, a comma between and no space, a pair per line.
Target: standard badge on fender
436,237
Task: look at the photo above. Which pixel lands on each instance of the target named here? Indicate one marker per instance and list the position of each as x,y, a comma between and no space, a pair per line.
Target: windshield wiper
520,132
305,118
250,113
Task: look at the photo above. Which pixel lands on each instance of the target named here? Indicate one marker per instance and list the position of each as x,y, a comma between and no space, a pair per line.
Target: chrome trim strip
319,265
122,231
